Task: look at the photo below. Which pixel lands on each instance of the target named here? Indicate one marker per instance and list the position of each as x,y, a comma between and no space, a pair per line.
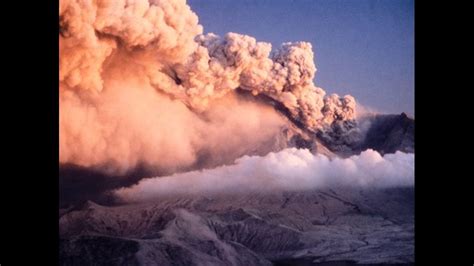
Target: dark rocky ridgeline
385,134
319,227
390,133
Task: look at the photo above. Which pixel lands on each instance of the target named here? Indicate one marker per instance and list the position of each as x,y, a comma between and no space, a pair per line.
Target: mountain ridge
333,224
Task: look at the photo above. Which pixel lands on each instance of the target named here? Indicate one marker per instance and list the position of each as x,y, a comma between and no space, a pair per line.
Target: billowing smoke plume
221,65
140,84
289,169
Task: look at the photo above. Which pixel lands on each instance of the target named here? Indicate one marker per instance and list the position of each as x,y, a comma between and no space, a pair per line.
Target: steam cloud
289,169
140,84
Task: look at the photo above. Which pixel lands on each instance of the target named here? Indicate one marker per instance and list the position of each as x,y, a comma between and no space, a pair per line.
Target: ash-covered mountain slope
390,133
360,225
380,132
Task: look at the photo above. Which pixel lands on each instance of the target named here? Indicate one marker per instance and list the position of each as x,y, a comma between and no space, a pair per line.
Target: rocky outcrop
383,133
390,133
364,226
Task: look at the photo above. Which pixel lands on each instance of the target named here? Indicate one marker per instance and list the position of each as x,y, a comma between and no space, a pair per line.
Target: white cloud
289,169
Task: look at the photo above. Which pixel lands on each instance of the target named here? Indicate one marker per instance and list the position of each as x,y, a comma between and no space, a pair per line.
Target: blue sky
362,47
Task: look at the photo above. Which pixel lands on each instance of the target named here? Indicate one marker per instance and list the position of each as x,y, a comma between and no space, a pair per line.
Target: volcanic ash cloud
141,85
